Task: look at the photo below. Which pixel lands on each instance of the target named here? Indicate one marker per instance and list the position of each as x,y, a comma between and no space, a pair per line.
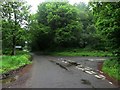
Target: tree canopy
67,25
107,23
14,21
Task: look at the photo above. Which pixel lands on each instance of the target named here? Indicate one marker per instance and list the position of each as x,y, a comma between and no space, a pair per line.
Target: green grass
79,52
0,52
112,68
9,63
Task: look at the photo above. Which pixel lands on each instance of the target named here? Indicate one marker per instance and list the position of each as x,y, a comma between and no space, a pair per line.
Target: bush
9,63
6,51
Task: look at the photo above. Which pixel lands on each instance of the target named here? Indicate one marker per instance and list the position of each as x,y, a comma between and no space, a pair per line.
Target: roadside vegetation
78,52
14,33
112,68
9,63
107,24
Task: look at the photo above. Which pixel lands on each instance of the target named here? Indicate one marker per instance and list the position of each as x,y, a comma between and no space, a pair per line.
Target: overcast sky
35,3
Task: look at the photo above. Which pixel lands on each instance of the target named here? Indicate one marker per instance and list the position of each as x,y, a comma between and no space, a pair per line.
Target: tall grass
112,67
9,63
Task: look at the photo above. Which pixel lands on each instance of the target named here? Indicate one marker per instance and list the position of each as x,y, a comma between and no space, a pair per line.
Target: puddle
84,81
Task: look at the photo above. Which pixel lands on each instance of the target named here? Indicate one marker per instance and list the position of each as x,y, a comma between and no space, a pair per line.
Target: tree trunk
13,46
14,34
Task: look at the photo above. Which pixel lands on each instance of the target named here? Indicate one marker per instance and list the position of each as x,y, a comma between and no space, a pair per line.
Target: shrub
9,63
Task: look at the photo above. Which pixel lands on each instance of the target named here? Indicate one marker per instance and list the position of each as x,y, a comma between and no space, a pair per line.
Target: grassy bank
8,63
112,68
78,52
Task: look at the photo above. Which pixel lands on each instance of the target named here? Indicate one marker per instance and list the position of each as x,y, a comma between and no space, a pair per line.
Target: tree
69,36
62,23
56,14
39,34
15,16
107,23
88,35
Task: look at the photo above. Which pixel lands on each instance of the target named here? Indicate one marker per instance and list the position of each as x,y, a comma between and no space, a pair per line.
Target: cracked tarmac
55,72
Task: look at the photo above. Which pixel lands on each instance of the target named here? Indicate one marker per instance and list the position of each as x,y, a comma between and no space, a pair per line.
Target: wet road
47,74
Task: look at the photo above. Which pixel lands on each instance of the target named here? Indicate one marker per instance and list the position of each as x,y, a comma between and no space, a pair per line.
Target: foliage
68,26
9,63
89,38
15,16
56,14
112,67
77,52
107,23
69,36
39,34
60,22
108,27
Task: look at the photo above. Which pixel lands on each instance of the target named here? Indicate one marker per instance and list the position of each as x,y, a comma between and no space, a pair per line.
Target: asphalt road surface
47,74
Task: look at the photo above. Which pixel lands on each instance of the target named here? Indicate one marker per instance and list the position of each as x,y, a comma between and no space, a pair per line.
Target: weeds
9,63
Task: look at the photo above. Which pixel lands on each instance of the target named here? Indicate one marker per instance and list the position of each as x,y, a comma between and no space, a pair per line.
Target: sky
35,3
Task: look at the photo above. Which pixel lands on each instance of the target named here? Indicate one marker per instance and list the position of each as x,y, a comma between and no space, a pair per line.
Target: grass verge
79,52
112,68
8,63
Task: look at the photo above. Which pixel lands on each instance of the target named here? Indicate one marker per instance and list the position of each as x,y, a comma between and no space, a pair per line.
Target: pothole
62,66
87,82
72,62
85,69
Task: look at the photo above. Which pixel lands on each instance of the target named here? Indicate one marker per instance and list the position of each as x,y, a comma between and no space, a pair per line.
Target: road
47,74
